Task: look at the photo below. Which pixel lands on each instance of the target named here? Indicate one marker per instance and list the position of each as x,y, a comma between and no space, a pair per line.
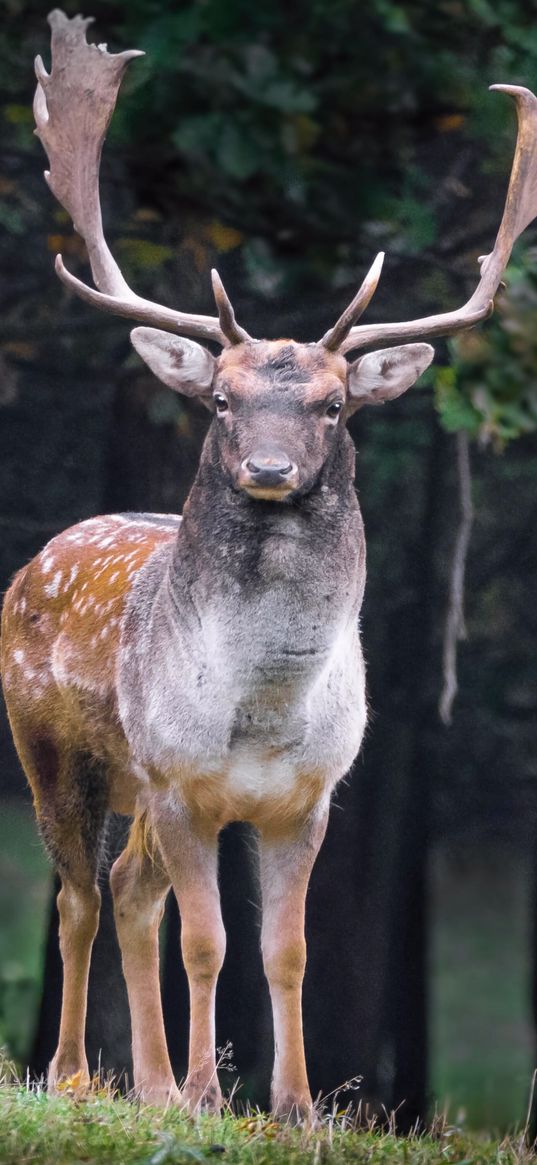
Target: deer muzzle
268,475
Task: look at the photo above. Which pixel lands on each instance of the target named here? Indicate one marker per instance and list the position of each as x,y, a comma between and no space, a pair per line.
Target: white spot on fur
52,588
18,655
47,562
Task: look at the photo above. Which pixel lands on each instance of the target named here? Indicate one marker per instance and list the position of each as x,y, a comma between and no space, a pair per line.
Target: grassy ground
39,1130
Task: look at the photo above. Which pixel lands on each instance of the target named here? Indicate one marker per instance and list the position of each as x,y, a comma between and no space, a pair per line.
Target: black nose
268,469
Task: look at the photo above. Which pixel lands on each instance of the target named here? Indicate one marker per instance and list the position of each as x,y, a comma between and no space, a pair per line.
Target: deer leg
78,907
286,862
191,856
140,885
72,820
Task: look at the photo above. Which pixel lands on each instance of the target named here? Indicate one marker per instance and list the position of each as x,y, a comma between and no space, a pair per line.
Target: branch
455,629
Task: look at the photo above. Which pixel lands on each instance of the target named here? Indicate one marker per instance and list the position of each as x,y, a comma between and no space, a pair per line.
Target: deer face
278,408
278,405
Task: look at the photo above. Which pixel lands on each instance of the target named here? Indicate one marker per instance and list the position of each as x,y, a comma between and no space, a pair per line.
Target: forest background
286,145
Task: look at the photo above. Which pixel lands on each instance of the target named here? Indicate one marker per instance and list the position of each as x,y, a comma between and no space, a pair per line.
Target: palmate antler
73,106
520,209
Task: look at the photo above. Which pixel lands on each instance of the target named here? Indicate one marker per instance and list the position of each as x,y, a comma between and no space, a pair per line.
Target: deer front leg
190,851
286,862
139,887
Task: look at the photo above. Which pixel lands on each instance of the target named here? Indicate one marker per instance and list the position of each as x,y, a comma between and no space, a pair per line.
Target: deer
193,671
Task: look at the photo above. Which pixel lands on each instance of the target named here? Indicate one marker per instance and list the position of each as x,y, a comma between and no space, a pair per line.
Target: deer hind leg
286,862
191,857
71,801
140,885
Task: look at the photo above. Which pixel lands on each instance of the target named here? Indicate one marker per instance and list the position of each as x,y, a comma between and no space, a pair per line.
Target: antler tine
520,210
231,329
143,310
335,336
73,106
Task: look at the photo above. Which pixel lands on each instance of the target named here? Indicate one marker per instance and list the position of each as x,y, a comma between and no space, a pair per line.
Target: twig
455,627
525,1138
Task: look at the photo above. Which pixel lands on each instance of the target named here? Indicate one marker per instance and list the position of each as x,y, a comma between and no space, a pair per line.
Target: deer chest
248,701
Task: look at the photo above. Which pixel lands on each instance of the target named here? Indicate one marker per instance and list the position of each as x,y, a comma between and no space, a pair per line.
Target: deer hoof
67,1076
198,1099
294,1110
160,1094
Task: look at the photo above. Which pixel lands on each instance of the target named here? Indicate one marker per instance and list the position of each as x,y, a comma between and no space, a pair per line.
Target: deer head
271,443
279,407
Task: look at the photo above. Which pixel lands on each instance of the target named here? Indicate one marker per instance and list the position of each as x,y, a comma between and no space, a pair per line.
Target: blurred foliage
490,387
22,865
296,142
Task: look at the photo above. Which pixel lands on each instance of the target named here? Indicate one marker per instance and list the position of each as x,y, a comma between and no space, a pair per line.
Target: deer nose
268,470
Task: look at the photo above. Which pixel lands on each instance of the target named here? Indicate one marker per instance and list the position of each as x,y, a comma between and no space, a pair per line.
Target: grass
36,1129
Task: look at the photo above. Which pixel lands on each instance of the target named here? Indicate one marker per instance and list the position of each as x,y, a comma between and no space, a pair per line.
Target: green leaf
456,411
144,253
237,153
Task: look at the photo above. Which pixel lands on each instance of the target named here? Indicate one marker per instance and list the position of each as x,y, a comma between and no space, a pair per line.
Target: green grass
39,1130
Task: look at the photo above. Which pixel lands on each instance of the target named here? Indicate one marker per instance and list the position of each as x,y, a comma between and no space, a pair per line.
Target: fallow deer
192,672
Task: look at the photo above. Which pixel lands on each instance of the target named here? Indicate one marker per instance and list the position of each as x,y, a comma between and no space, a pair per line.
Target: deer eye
220,403
334,410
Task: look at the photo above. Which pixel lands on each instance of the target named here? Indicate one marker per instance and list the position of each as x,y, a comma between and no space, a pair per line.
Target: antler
333,339
72,107
520,209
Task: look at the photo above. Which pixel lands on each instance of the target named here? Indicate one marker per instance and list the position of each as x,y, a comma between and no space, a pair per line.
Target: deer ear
381,376
181,364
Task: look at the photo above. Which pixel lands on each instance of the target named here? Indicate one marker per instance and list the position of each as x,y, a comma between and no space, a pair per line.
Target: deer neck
233,632
232,544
